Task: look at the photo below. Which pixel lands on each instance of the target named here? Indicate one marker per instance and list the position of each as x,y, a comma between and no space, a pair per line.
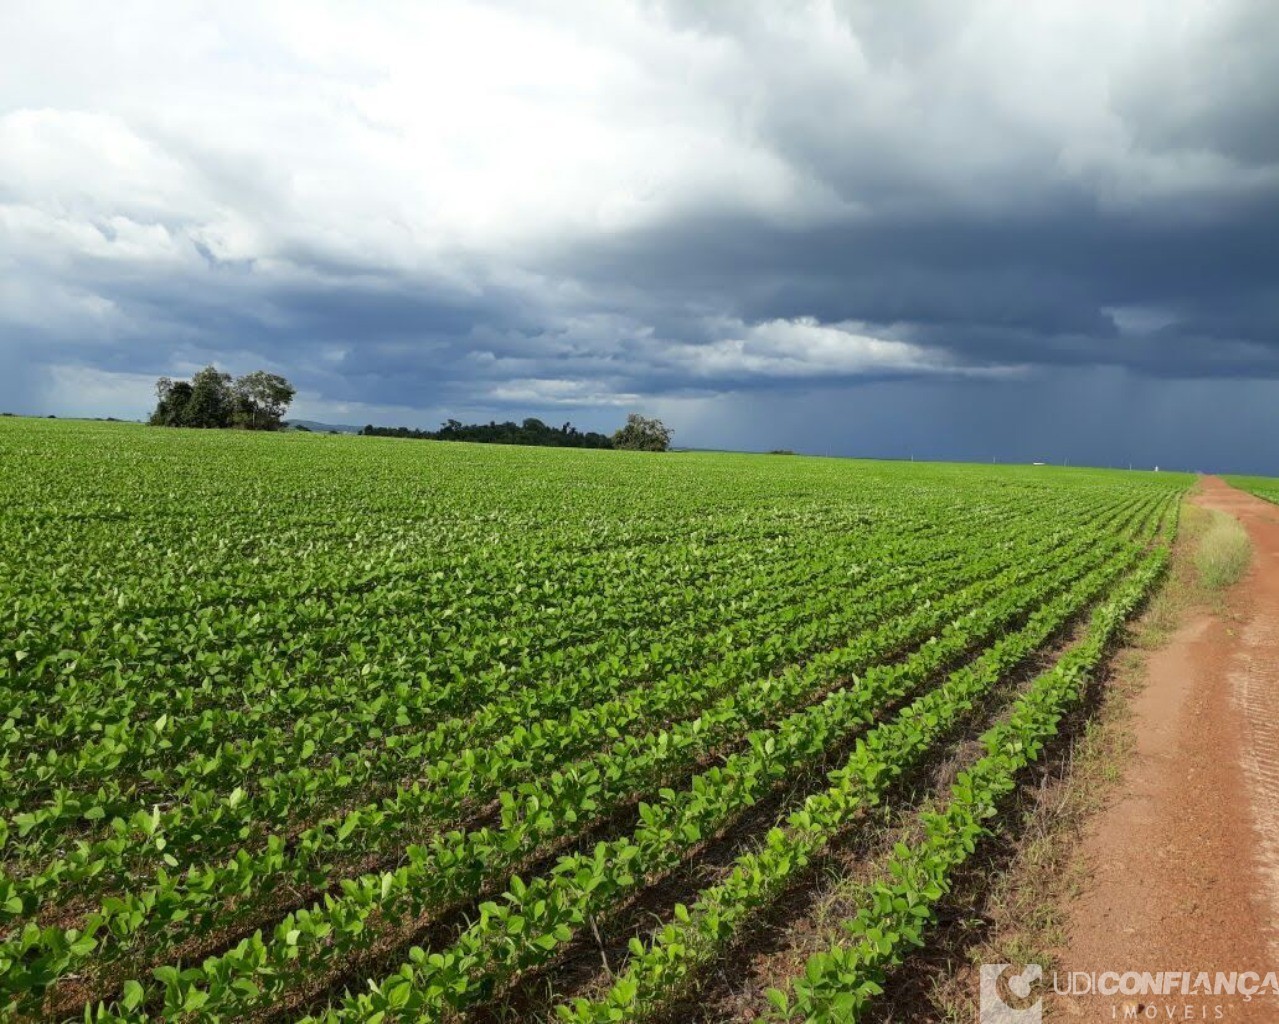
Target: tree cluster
639,433
213,399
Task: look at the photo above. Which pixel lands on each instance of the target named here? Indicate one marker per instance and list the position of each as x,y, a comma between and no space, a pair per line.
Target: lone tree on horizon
215,400
643,434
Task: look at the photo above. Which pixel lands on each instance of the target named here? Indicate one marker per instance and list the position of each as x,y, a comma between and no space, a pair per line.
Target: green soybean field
333,728
1261,486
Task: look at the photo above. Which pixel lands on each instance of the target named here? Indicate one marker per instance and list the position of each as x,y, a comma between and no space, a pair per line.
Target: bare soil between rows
1182,867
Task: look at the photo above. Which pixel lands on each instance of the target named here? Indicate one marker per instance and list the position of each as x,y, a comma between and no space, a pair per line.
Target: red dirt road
1184,865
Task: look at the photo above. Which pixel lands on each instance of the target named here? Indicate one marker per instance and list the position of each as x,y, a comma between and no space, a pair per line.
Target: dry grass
1181,590
1224,552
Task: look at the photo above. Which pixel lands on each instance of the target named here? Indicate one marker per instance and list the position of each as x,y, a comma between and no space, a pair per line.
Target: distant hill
318,427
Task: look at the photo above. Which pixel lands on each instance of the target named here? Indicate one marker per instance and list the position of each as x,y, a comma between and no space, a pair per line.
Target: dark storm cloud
979,210
1036,288
1124,421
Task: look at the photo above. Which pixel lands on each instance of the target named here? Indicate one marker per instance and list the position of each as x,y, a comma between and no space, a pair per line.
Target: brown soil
1183,867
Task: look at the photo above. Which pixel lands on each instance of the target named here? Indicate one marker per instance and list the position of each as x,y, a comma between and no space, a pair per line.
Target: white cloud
550,392
385,137
804,349
401,134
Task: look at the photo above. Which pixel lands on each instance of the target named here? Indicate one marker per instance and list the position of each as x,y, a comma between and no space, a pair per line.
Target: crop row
191,904
384,681
451,754
659,973
533,919
836,984
355,647
457,865
257,761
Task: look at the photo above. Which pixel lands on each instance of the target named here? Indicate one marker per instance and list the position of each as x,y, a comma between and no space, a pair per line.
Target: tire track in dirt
1254,686
1183,867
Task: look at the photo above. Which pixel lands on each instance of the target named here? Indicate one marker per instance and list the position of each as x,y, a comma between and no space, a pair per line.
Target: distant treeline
531,432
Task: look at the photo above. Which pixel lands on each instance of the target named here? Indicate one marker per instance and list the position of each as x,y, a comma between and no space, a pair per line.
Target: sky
998,229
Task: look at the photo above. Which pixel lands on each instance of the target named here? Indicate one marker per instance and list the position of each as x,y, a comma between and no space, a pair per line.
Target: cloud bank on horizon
992,229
